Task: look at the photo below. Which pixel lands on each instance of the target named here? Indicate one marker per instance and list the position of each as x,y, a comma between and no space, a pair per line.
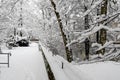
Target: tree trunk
15,32
68,54
103,31
98,32
43,16
87,42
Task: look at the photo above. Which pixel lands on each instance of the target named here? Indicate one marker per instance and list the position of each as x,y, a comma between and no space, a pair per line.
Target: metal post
8,60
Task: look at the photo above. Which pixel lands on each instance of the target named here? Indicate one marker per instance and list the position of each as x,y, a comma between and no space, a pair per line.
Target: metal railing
8,57
48,68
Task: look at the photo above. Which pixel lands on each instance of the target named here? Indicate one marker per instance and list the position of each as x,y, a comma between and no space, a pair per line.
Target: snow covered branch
92,7
85,34
106,18
2,29
100,47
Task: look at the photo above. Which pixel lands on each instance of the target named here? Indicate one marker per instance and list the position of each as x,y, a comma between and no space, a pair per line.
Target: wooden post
62,65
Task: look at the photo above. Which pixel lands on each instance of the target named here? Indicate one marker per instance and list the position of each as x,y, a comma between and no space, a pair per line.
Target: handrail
48,68
8,57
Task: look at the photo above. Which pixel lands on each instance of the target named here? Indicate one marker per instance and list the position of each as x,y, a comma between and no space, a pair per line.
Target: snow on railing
48,68
57,70
62,69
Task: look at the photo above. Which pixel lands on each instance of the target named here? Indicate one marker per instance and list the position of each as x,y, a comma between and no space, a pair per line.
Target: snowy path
26,63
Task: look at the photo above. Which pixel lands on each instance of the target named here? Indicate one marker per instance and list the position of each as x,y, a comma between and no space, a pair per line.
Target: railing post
8,59
62,65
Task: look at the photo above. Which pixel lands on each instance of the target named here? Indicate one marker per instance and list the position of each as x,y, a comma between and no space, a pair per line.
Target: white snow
69,72
26,63
101,70
85,34
118,37
108,43
92,7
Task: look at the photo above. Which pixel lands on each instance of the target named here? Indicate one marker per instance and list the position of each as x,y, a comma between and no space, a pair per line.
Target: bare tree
68,54
87,44
103,31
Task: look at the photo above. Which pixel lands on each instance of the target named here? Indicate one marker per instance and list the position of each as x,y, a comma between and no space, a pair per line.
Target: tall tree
68,53
103,31
98,32
87,45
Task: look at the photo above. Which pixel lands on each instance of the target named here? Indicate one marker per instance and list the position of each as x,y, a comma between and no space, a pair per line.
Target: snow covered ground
26,63
69,72
101,70
94,71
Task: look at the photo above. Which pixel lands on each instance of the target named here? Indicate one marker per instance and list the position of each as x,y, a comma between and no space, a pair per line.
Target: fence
8,61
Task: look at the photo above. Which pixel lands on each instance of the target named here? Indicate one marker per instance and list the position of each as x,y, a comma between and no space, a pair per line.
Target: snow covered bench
6,55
